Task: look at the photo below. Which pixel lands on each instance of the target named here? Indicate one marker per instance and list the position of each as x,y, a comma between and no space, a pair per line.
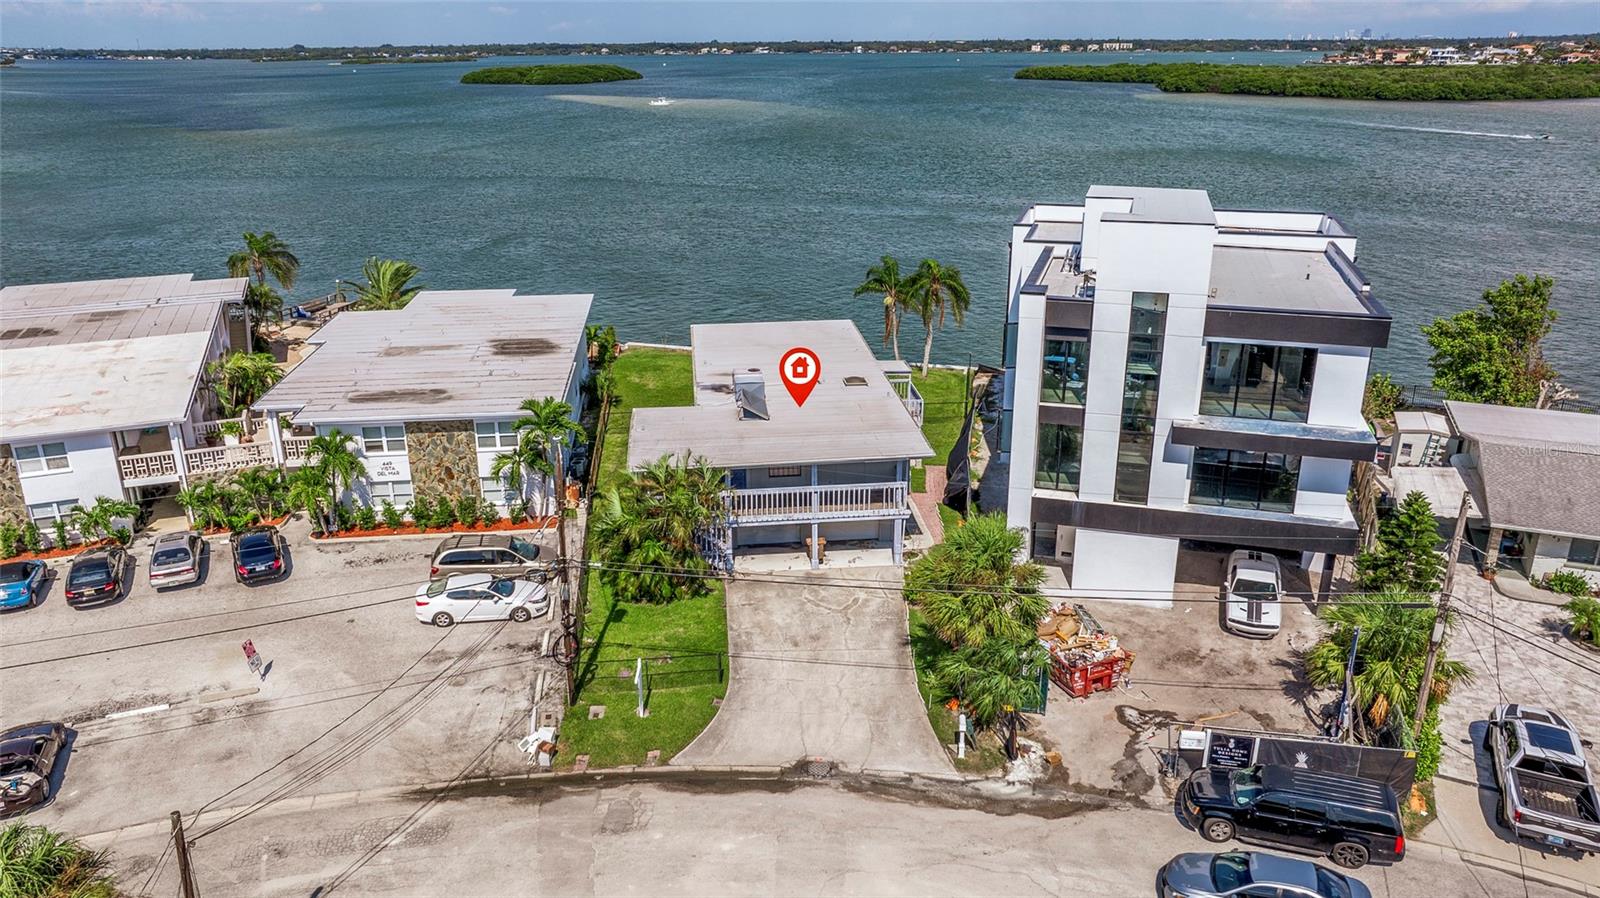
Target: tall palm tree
1390,655
546,427
513,466
263,488
884,280
264,254
99,520
308,489
388,284
338,465
241,378
933,290
37,861
990,678
972,589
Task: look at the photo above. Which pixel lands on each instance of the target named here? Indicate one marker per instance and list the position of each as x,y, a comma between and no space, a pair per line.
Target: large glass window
1066,370
45,514
1141,385
1060,456
1585,552
1269,382
1237,479
1008,346
40,458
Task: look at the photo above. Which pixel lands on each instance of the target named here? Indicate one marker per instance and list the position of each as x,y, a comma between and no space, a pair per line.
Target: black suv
1352,821
258,554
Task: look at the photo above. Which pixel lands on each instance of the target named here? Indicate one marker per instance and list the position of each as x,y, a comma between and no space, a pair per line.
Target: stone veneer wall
444,458
13,507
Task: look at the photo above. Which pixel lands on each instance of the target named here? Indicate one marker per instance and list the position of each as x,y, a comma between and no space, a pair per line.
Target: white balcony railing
294,450
907,391
148,466
228,458
816,503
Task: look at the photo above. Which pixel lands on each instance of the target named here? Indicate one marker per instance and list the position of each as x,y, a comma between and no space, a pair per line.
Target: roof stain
517,346
421,394
400,351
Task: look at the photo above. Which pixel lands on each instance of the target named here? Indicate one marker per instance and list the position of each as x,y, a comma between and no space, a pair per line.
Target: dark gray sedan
28,756
1251,874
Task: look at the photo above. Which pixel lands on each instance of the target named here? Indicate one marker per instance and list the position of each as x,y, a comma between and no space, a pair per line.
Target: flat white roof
1260,278
448,354
839,422
1158,204
1421,422
120,354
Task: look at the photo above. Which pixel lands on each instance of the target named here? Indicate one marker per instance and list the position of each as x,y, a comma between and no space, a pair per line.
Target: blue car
21,583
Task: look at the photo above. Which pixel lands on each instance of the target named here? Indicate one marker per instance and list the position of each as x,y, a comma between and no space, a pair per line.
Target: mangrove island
1362,82
581,73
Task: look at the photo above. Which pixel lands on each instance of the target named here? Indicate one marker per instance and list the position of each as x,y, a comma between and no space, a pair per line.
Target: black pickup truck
1546,788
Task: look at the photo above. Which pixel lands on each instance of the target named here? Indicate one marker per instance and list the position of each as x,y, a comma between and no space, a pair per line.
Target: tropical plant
1585,614
366,517
331,456
265,255
994,677
388,284
1381,398
1568,583
37,862
99,520
513,466
308,490
263,489
467,509
1492,354
488,513
548,425
1395,628
971,588
603,346
392,518
1406,557
34,540
645,531
932,291
206,502
444,512
263,303
241,378
419,510
884,280
122,536
516,509
10,539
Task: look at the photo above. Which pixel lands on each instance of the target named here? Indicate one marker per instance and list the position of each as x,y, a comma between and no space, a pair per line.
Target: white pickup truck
1546,789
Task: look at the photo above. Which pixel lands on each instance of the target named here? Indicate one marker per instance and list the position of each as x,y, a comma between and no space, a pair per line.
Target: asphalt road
716,835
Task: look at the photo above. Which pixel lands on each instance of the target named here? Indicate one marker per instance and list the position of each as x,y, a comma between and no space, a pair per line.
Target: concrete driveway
820,669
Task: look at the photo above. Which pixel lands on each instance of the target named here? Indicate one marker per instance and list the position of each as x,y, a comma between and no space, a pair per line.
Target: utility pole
1441,616
185,871
1346,723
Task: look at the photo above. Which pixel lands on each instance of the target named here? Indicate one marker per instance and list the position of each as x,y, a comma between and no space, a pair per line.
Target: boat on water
661,101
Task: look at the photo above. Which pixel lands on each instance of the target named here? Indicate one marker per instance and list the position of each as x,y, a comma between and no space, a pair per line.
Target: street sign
799,369
253,658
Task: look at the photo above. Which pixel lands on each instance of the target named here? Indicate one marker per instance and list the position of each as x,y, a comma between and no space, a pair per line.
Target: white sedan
464,597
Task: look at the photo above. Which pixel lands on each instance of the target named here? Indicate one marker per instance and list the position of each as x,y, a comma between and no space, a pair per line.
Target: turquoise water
769,187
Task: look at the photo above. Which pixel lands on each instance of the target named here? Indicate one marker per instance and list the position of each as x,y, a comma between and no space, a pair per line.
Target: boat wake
1498,134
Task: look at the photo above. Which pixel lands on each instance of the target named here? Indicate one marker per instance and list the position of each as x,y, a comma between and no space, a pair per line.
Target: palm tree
263,255
99,520
263,488
512,467
387,285
646,529
37,862
1585,613
993,678
241,378
206,502
335,462
932,290
1390,655
308,489
972,589
546,427
884,280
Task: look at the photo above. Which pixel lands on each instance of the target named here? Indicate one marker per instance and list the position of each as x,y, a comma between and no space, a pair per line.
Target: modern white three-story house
831,473
429,394
1178,372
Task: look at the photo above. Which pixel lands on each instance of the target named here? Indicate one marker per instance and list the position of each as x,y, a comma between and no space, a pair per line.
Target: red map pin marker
799,369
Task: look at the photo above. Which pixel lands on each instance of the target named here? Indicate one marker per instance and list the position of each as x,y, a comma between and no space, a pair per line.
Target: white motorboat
661,101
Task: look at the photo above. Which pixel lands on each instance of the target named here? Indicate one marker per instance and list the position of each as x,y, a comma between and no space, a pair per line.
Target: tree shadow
590,664
1298,688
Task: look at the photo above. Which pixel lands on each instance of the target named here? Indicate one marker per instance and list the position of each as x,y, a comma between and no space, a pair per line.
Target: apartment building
103,389
1178,372
430,393
819,477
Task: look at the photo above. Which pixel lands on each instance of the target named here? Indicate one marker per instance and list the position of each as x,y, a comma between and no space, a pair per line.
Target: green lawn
692,632
943,394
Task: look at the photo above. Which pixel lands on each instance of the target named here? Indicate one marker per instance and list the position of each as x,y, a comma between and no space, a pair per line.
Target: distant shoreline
1366,82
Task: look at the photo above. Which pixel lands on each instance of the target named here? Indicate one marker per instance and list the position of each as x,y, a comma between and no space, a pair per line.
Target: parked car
259,554
1254,599
500,554
1547,790
1353,821
1250,874
21,583
464,597
99,575
27,758
175,559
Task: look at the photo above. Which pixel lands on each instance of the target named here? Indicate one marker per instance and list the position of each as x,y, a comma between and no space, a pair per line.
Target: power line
1535,643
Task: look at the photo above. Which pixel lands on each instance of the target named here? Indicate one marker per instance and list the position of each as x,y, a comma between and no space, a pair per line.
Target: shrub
1381,399
37,861
343,517
392,518
516,510
1430,747
34,541
10,539
1568,583
122,536
420,511
489,513
444,512
366,517
1585,619
467,509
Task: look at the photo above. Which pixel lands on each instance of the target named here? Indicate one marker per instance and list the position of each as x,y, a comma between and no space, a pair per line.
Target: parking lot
168,714
1186,668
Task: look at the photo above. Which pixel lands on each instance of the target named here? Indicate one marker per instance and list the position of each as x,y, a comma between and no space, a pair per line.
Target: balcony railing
148,466
228,458
907,391
294,450
816,503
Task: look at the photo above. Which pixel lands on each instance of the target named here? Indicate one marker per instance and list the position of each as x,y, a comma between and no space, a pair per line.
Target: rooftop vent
750,395
855,380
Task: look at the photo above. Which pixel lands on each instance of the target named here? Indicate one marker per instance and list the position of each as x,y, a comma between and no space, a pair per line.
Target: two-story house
833,470
1178,372
103,390
429,393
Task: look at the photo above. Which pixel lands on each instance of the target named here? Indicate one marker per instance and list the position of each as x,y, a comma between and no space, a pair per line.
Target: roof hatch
750,394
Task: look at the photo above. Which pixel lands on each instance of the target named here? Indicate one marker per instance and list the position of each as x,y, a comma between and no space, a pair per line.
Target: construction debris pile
1084,658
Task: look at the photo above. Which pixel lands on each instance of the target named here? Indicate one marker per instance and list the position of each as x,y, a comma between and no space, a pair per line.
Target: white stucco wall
93,472
1124,566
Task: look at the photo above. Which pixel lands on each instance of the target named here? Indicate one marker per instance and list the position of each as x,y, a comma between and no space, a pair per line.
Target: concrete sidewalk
1466,825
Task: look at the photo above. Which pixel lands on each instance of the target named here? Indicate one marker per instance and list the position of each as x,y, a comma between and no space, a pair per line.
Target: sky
280,23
